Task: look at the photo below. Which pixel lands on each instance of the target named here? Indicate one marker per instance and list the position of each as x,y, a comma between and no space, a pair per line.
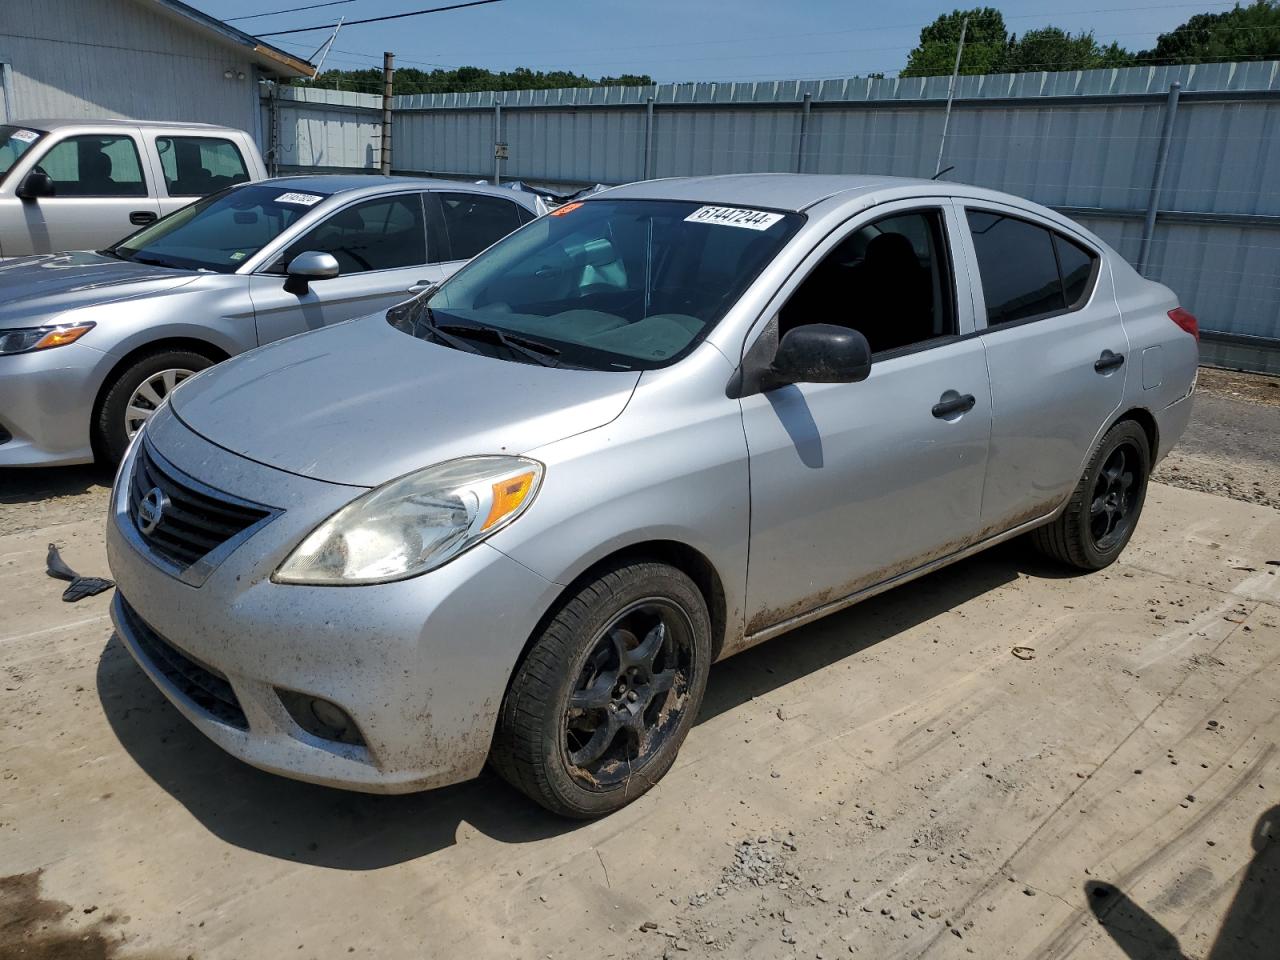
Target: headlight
41,338
416,523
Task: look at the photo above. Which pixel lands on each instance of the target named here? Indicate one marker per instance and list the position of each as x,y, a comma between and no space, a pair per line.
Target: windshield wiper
532,349
155,262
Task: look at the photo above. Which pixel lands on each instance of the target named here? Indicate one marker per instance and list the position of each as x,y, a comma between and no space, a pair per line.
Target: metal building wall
1084,142
98,59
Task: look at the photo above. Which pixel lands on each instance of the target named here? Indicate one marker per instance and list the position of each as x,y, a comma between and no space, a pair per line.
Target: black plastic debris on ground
79,587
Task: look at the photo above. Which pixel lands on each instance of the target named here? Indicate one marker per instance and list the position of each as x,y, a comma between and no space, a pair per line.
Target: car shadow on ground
350,831
36,484
1250,930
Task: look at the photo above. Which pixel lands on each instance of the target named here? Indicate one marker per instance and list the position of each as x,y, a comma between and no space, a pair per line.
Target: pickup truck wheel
1105,506
599,707
129,401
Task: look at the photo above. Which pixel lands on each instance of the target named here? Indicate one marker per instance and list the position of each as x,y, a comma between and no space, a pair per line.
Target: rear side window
1028,271
473,222
199,166
94,166
380,234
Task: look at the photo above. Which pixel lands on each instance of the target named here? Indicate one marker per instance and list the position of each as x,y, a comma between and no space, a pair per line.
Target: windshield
614,284
14,142
220,232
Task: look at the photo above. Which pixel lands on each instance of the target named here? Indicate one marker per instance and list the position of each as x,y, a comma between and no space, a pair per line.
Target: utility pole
387,70
951,92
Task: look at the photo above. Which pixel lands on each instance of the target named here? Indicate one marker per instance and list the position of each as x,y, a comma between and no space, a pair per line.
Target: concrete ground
891,782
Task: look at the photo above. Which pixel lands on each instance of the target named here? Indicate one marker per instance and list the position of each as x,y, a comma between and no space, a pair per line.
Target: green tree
986,43
1051,48
1243,33
467,79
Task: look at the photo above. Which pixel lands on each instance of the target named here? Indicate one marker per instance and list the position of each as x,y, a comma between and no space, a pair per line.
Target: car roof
333,183
58,123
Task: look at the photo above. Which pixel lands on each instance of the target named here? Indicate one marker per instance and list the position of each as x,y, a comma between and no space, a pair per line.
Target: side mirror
819,353
35,185
308,266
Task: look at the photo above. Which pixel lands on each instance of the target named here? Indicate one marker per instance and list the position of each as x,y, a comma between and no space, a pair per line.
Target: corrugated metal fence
1105,146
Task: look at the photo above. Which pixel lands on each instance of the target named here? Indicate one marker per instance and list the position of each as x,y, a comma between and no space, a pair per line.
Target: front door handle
955,404
1109,361
140,218
422,286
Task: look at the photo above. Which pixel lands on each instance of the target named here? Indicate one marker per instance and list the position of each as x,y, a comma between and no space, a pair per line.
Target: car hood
362,403
34,290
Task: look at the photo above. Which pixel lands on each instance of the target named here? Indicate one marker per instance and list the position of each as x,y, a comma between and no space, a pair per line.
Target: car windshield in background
14,142
220,232
614,284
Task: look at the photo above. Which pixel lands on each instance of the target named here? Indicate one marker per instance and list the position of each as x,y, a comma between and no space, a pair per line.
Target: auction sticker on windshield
24,136
302,199
734,217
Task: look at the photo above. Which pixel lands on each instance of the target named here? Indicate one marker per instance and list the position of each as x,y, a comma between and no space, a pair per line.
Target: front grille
193,522
205,687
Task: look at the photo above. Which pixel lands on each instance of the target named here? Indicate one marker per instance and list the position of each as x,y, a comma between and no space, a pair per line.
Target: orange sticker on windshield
567,208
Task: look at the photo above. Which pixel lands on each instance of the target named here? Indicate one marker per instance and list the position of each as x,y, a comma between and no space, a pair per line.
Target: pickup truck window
199,166
14,142
95,165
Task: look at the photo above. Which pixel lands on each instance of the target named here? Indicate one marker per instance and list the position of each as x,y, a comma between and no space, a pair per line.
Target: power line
272,13
391,16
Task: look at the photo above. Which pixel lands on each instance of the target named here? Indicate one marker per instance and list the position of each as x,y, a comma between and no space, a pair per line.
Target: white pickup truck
84,184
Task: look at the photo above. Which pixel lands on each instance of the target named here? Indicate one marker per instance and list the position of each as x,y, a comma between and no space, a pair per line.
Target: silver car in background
92,342
517,518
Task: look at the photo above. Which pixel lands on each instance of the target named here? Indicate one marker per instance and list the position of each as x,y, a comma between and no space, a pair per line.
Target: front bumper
420,666
46,401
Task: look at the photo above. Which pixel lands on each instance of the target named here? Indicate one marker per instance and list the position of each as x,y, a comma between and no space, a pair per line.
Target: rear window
199,166
474,221
1028,271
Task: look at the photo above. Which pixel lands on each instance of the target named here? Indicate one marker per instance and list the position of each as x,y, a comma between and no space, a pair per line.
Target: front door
853,484
101,195
1056,350
381,249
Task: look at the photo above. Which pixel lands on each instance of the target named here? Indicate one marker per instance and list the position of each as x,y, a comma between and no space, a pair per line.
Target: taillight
1186,321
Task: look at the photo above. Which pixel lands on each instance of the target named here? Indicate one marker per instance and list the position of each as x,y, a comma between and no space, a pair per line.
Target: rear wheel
135,394
1104,509
599,707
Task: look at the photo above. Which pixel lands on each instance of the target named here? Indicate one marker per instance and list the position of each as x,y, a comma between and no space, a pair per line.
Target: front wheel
599,707
1105,506
135,394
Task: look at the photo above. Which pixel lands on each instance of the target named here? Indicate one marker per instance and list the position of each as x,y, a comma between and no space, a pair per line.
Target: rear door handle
1109,361
953,405
140,218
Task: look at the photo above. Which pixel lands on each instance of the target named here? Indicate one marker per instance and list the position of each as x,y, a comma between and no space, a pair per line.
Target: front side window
1028,271
14,142
890,280
95,165
221,232
199,166
379,234
616,284
473,222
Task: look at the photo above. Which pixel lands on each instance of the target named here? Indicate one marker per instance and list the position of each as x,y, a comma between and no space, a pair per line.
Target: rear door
1056,351
462,223
855,483
102,193
194,166
381,248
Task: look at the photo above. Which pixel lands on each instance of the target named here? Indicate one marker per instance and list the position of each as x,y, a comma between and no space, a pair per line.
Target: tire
573,688
109,432
1105,506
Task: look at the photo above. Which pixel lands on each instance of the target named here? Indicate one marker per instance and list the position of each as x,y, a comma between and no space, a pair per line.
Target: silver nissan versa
515,519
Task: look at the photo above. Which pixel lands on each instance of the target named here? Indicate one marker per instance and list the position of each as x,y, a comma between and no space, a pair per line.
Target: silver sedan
515,519
92,343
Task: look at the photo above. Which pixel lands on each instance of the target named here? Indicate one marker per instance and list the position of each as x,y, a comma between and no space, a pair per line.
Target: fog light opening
320,717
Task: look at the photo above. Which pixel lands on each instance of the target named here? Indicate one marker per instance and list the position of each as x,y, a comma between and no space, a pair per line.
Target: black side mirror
819,353
35,185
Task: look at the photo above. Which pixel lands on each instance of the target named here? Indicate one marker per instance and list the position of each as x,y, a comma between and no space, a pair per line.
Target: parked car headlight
416,523
41,338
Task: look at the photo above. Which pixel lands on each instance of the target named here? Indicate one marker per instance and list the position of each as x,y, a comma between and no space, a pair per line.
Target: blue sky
675,40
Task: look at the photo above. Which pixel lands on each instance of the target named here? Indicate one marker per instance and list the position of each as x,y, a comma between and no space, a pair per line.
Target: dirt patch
46,497
1250,387
32,928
